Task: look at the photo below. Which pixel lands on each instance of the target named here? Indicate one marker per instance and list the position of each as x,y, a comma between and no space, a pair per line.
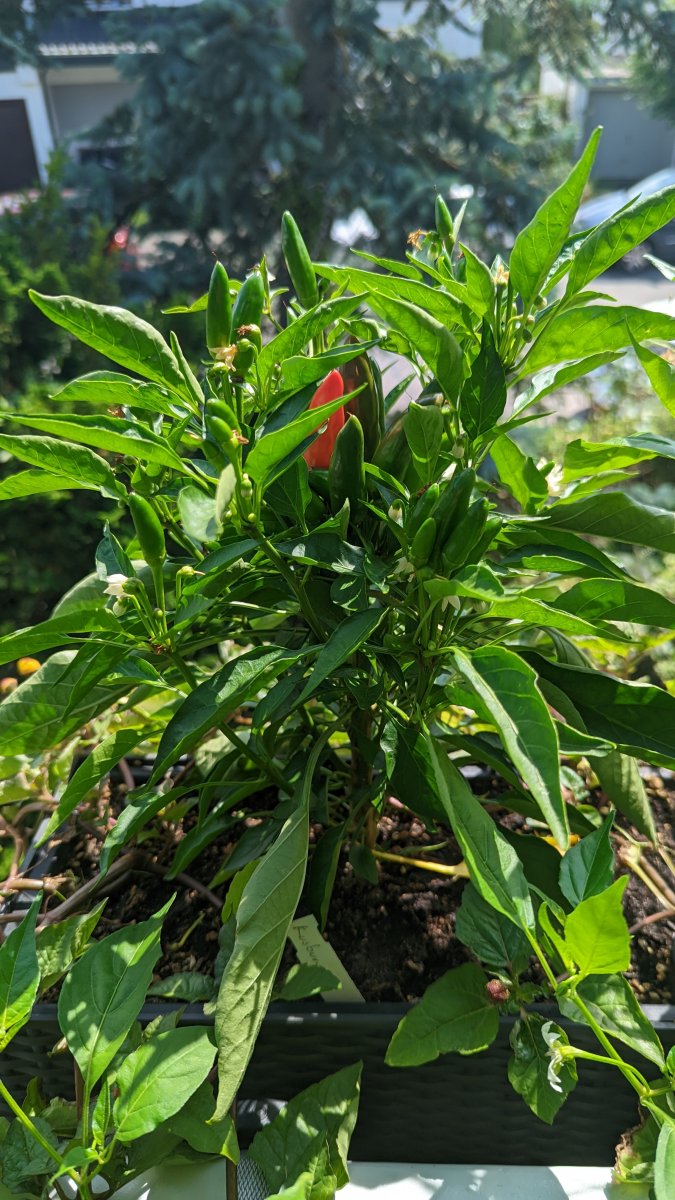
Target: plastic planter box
455,1110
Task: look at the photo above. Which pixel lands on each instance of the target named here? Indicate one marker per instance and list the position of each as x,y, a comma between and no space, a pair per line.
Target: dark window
18,167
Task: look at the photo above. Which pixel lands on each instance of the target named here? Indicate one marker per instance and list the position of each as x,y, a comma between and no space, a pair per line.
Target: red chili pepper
320,452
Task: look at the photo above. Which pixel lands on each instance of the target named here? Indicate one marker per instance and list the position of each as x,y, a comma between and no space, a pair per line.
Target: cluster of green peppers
445,530
235,325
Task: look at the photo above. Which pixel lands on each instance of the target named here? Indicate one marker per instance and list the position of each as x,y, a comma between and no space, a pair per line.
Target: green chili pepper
464,536
218,310
444,224
423,543
298,262
252,332
492,527
214,455
454,502
245,356
148,530
250,301
346,476
422,509
222,410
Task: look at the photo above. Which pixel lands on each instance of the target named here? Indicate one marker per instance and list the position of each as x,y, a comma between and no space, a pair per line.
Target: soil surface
395,937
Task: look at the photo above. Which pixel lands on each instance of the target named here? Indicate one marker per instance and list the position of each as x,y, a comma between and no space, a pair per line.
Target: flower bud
7,685
497,991
28,666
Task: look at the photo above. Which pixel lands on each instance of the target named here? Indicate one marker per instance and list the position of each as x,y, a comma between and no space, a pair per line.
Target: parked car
662,244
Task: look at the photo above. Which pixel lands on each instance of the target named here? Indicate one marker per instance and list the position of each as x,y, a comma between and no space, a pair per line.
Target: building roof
94,35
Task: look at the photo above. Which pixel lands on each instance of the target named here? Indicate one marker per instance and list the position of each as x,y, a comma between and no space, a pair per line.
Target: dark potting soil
395,937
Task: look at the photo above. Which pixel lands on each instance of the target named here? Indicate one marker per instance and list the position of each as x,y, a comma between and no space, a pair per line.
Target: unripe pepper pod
148,530
444,224
218,310
464,536
368,406
423,543
250,301
320,452
422,509
346,476
298,261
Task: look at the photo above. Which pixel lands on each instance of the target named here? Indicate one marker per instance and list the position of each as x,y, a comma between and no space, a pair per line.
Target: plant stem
459,871
633,1076
34,1131
542,959
293,583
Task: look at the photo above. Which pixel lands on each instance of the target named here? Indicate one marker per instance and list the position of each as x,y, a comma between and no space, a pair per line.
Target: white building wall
24,84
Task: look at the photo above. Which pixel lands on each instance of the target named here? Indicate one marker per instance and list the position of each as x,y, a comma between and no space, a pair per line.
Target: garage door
18,168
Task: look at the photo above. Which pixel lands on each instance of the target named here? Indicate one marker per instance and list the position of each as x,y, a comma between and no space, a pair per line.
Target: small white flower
404,567
555,1053
395,512
115,586
451,602
554,481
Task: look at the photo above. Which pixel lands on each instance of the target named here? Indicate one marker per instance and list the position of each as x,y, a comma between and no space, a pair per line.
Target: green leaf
479,283
666,269
60,944
435,344
520,474
33,483
189,987
111,390
483,397
454,1014
215,699
620,779
423,426
158,1078
198,514
507,687
637,717
114,434
543,616
529,1067
609,241
47,635
19,975
661,375
494,867
295,336
118,334
298,372
305,980
596,933
342,643
76,463
321,1117
104,992
36,716
612,1004
588,868
664,1164
595,329
585,458
492,938
273,449
554,378
195,1125
445,304
263,918
538,245
616,515
618,600
104,756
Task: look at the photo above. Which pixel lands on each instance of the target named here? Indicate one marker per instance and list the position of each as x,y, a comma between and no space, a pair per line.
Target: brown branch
667,914
187,880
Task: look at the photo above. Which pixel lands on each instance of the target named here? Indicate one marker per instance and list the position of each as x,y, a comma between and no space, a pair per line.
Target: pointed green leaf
495,940
618,600
47,635
263,919
118,334
595,329
110,389
507,687
215,699
661,375
423,426
530,1073
596,933
33,483
19,975
588,867
295,336
664,1164
274,448
538,245
454,1014
620,779
114,434
612,1003
342,643
104,756
494,867
616,515
520,474
60,944
609,241
78,464
479,283
443,303
483,397
552,379
158,1078
103,994
433,341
